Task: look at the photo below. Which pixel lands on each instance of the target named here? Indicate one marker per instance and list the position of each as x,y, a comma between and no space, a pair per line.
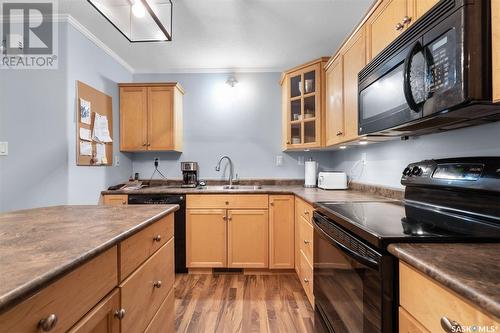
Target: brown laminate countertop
311,195
470,270
39,245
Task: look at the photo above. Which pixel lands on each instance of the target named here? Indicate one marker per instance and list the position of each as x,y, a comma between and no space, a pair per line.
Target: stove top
381,223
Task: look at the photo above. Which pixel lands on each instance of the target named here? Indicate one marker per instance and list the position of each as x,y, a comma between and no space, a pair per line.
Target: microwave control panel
441,63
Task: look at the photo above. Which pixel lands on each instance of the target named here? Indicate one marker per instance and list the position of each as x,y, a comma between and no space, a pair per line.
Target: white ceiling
232,35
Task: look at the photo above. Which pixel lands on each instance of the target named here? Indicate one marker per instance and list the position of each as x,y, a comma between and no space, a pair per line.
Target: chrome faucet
231,168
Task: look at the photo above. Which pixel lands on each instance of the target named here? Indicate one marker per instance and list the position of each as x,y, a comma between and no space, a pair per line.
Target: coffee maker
189,174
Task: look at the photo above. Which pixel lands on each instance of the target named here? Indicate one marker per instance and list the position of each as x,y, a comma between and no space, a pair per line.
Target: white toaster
332,180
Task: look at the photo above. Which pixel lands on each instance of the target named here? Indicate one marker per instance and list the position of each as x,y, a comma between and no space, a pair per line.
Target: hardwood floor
241,303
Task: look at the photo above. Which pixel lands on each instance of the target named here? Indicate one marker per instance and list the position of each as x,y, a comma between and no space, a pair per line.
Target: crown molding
93,38
211,70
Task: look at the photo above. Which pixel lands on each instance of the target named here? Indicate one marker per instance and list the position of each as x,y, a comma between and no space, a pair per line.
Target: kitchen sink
233,187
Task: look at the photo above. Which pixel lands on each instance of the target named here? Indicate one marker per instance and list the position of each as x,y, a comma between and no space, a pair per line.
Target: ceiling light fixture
231,81
138,20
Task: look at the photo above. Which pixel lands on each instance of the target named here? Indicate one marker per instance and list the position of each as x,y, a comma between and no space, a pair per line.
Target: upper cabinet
390,19
151,117
303,92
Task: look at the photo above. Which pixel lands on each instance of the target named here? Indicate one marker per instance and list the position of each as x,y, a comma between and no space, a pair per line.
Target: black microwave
436,76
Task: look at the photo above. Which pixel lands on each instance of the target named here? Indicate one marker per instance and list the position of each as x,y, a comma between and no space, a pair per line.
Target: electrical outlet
156,161
4,148
279,160
363,158
117,160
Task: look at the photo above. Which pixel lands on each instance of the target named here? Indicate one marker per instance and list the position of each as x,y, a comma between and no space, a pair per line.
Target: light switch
4,148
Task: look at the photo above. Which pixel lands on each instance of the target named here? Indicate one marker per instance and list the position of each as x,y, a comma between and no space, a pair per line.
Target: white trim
93,38
212,70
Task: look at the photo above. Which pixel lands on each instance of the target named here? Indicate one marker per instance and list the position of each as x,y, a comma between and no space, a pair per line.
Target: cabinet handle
227,202
229,218
399,27
157,284
271,203
157,238
306,280
47,324
120,314
224,218
406,20
306,241
449,325
339,133
144,144
124,202
306,212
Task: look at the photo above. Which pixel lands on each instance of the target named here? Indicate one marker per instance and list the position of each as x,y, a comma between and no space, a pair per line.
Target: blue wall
243,122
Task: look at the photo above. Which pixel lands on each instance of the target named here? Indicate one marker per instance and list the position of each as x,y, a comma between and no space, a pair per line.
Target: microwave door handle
417,47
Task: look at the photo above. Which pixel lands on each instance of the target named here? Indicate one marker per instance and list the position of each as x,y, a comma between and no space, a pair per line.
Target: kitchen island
61,266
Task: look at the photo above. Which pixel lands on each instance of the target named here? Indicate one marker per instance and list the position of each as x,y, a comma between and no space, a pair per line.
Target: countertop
470,270
39,245
311,195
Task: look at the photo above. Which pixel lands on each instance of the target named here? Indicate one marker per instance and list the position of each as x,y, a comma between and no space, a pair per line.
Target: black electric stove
448,200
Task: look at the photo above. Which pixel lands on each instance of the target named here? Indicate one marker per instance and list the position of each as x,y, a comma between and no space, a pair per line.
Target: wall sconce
138,20
231,81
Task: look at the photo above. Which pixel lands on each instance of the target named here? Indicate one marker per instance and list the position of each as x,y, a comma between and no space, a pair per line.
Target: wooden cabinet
385,24
335,125
115,199
420,7
205,238
408,324
281,231
427,309
227,201
495,35
303,93
247,238
164,319
102,318
151,117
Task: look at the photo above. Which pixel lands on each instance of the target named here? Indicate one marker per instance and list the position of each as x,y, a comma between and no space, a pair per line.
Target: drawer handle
306,280
306,212
229,218
157,238
339,133
406,20
120,314
47,324
449,325
399,27
306,241
157,284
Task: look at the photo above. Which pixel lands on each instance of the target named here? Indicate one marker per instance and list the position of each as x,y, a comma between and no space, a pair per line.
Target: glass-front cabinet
303,91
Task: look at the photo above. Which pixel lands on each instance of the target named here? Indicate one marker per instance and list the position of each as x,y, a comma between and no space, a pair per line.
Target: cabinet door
206,238
420,7
247,233
335,129
160,118
133,118
354,58
408,324
101,319
382,25
495,36
281,231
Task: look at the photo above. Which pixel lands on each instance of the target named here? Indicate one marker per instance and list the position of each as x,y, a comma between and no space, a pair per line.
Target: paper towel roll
311,168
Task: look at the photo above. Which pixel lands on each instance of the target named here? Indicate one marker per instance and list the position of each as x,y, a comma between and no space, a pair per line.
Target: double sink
231,187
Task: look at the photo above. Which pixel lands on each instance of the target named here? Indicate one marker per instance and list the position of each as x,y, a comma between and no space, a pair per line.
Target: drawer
164,319
102,317
408,324
139,247
306,239
306,277
436,302
141,299
68,298
232,201
116,199
303,209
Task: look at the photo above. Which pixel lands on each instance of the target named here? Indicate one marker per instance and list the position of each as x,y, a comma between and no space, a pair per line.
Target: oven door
348,286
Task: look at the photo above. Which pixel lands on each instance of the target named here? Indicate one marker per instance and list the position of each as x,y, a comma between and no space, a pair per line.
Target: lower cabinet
115,199
247,239
103,318
205,238
165,317
281,231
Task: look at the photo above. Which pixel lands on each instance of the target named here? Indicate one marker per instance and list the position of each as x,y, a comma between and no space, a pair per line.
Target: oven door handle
362,259
417,47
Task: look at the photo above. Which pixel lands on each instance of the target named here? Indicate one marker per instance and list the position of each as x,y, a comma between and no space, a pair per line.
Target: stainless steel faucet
231,168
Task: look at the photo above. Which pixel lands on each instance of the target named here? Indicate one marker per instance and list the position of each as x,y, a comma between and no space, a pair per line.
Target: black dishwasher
179,221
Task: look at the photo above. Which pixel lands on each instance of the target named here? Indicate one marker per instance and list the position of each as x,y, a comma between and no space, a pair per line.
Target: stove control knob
416,171
406,171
